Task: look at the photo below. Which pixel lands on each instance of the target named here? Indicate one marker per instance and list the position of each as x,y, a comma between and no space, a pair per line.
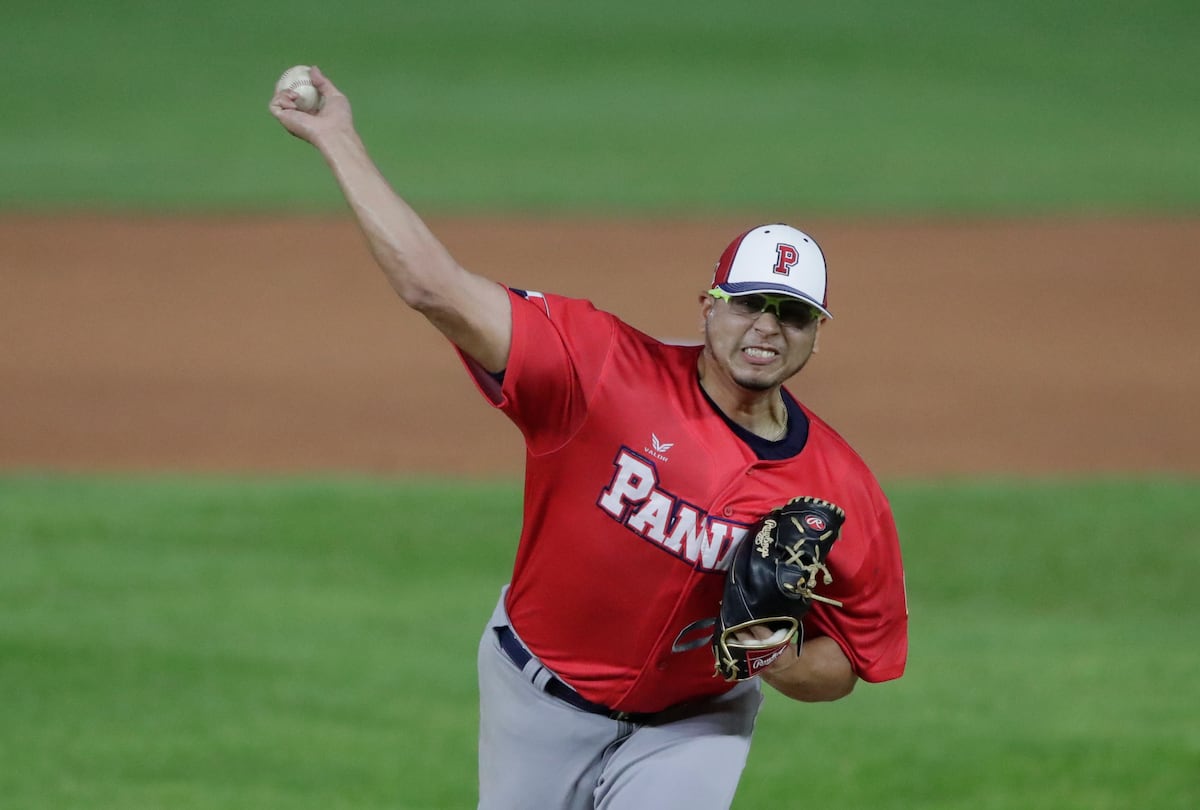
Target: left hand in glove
770,585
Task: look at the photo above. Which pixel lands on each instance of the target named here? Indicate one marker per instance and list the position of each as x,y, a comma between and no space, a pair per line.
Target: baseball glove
770,585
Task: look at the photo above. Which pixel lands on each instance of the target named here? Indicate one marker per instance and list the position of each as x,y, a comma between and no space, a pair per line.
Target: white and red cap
776,260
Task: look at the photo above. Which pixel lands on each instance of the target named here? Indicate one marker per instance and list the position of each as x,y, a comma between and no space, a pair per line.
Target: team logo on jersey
634,499
658,449
786,257
814,522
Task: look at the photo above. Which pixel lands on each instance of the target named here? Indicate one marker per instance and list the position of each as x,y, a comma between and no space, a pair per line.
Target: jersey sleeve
872,625
559,348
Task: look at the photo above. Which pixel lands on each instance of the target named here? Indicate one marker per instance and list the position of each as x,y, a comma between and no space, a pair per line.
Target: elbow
837,691
407,276
428,292
418,297
822,674
826,691
417,293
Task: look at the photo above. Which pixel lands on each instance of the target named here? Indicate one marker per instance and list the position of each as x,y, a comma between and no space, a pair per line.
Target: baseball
298,80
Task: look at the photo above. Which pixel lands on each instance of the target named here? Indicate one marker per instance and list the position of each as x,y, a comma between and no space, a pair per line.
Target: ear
706,308
817,337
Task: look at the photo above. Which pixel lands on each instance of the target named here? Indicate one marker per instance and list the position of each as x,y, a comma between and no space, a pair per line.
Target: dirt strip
271,345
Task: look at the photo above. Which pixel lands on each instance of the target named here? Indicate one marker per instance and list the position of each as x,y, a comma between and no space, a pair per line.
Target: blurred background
866,108
227,452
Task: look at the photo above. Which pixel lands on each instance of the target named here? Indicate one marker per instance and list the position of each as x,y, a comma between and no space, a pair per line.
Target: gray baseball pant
537,751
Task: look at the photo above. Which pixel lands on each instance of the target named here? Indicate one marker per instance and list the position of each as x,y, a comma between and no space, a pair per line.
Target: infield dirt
275,345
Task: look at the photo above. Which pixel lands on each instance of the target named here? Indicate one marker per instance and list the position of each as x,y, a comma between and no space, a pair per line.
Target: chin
764,379
755,383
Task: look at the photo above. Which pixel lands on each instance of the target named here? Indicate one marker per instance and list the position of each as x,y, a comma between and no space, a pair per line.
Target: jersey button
727,511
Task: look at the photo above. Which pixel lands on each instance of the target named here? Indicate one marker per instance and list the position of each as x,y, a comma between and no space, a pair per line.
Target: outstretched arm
473,312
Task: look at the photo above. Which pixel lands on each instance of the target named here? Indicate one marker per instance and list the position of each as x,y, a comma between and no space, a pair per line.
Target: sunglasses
788,311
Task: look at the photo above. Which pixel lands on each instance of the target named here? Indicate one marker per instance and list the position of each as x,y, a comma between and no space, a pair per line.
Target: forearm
470,310
415,262
820,673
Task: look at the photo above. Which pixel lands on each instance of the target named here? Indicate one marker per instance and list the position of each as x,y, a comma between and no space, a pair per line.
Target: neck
762,412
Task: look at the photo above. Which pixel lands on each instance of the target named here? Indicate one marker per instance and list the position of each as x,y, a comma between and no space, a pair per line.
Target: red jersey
637,489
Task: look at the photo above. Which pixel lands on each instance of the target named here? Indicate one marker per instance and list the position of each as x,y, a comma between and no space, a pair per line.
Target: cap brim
753,287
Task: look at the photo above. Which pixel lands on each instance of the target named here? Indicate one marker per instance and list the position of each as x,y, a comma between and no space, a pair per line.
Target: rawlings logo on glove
770,585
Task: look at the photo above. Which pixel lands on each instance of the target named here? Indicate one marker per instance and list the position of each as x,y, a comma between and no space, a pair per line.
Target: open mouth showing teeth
756,352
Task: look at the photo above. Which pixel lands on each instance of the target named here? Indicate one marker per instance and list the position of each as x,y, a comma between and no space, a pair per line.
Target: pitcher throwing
646,466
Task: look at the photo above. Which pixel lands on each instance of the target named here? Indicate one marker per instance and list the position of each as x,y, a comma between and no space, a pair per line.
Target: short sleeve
559,348
871,627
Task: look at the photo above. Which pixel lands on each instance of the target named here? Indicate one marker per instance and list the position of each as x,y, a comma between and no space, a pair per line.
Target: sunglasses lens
794,313
748,304
789,311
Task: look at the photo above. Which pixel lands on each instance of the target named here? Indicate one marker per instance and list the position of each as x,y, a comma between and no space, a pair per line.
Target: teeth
760,352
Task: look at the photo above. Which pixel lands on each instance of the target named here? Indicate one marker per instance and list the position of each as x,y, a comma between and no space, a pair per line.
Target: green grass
250,643
926,106
242,644
1052,664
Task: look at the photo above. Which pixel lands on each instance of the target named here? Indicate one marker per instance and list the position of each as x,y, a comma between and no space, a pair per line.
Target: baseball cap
774,259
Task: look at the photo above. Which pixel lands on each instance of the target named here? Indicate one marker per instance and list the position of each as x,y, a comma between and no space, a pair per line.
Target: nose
770,325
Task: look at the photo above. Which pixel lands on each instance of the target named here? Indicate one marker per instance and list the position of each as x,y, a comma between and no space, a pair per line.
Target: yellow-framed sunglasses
791,312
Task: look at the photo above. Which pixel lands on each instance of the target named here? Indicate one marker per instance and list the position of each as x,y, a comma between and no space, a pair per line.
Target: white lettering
634,499
766,661
708,552
689,525
651,520
737,534
633,482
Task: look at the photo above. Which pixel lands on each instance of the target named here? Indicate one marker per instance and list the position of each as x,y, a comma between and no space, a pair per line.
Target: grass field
853,107
251,643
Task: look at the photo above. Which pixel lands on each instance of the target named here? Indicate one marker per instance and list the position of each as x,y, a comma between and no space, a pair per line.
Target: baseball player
646,463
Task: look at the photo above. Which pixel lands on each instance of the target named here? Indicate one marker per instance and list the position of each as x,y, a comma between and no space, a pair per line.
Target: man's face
758,341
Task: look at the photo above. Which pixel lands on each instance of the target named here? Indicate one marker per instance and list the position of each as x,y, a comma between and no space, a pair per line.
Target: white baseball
299,80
